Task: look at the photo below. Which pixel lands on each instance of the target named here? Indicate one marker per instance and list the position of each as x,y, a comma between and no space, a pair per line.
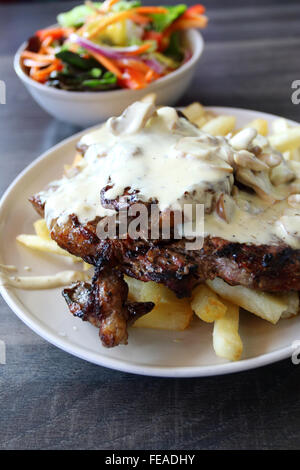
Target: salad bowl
101,57
88,108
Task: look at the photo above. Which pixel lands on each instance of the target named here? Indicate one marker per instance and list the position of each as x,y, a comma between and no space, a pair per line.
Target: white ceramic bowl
88,108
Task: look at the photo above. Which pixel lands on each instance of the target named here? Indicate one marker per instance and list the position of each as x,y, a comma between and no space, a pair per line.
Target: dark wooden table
52,400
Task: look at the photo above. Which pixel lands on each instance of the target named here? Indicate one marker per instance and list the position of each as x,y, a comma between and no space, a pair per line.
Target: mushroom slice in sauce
133,119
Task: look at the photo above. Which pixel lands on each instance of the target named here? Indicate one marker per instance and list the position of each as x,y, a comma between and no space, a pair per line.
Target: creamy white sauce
60,279
148,161
7,267
163,157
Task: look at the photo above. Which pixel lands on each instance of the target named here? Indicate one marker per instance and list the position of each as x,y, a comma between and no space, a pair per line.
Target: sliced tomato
193,11
133,79
155,36
54,33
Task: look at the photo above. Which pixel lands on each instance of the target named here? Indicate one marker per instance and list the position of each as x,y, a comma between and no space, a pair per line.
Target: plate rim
119,364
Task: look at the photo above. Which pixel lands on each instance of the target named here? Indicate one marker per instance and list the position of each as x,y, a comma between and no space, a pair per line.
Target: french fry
288,140
279,126
194,111
264,305
206,304
169,313
40,244
140,291
41,229
201,121
220,125
174,316
295,155
42,282
293,305
78,158
226,339
204,119
261,125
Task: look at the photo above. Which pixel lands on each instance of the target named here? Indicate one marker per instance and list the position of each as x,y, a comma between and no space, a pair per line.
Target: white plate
149,352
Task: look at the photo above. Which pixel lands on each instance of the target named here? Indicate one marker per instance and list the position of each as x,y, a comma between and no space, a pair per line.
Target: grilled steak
273,268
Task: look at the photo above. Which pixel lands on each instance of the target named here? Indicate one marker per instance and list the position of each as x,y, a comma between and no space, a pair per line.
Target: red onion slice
110,52
117,52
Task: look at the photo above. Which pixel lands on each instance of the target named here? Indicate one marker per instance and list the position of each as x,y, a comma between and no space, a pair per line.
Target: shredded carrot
136,74
33,71
150,10
133,64
194,11
140,50
133,79
140,19
34,63
107,63
43,74
150,76
46,42
36,56
54,33
104,22
189,23
45,46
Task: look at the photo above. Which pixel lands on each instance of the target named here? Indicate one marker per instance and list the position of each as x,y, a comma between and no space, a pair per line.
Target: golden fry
206,304
40,244
221,125
226,339
267,306
169,313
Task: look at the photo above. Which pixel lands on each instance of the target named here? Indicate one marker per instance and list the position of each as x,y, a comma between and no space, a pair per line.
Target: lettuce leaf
77,16
162,20
175,49
126,5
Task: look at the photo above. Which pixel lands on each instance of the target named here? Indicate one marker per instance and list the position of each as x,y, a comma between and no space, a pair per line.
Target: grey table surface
52,400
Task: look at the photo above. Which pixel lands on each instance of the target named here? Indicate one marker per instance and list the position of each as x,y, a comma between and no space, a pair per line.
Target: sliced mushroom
225,207
294,201
195,147
235,191
133,119
294,188
247,159
282,174
288,228
272,159
206,148
169,116
259,182
243,139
